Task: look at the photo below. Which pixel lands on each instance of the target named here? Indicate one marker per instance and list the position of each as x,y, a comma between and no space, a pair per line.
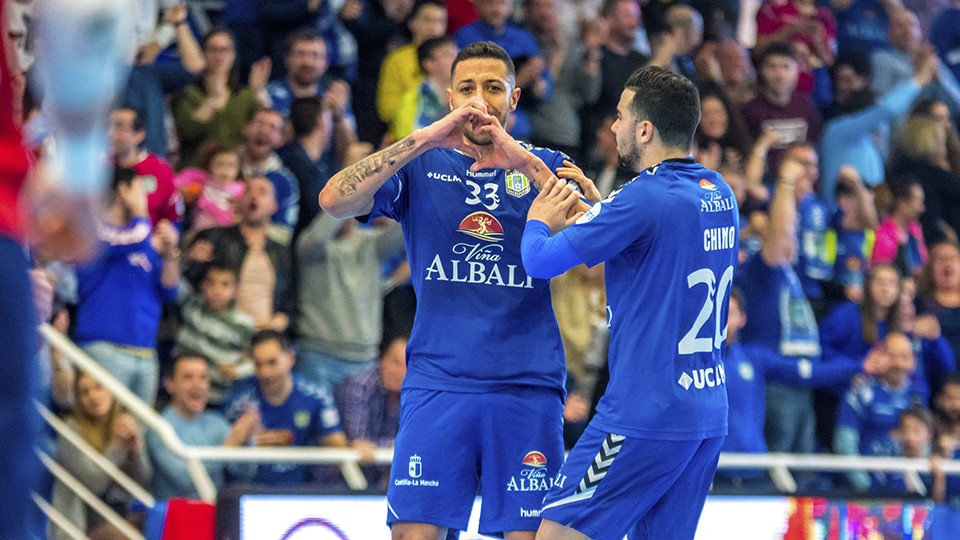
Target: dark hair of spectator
138,124
220,265
777,48
122,176
919,412
870,331
186,354
211,150
264,336
610,7
233,81
486,49
669,101
737,135
858,62
301,36
388,340
304,112
427,48
901,187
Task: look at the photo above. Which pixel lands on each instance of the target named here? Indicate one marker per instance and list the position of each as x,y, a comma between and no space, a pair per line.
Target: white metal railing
779,465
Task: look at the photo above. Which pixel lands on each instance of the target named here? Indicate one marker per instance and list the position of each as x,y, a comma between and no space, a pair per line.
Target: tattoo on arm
354,175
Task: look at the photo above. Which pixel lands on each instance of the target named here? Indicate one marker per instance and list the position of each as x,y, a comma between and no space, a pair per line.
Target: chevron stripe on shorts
601,463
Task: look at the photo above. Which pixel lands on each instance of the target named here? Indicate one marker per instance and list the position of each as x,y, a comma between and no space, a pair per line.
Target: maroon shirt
799,120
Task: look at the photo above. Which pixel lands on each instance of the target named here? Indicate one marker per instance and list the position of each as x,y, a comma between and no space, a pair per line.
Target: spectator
940,290
575,63
402,69
127,134
848,334
120,295
279,19
850,75
736,72
947,407
293,412
426,102
854,225
681,37
216,107
262,136
341,305
303,156
778,106
116,435
872,408
213,191
912,438
188,384
945,36
212,326
921,152
722,139
264,290
810,29
862,24
935,359
894,65
938,111
371,405
899,237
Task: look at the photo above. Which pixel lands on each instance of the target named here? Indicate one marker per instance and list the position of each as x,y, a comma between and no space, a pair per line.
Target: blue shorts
509,444
612,485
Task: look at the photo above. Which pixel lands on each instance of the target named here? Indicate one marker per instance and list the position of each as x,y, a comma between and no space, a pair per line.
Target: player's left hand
570,171
507,152
554,205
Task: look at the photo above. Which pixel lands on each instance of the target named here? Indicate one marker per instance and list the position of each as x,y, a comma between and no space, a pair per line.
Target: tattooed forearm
357,173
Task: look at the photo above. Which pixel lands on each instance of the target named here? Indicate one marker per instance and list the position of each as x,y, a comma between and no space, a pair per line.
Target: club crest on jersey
517,183
483,226
707,185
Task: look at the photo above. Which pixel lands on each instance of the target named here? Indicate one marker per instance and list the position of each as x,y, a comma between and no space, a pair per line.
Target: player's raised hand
448,132
554,205
570,171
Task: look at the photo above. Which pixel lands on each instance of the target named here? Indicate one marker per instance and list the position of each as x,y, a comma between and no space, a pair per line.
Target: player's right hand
448,131
553,205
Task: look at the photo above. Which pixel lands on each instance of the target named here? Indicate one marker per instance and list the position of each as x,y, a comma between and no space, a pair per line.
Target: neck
303,90
185,412
313,144
253,230
254,158
277,396
129,159
902,220
777,98
948,298
654,155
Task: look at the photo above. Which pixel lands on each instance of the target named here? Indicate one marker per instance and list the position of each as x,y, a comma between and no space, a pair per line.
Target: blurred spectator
897,64
721,139
848,334
727,63
912,438
748,369
426,102
377,26
216,107
307,76
780,320
862,24
940,290
872,408
935,359
921,152
370,401
278,19
127,134
303,157
857,133
533,75
120,295
850,75
292,411
682,36
264,289
603,163
341,304
810,29
188,384
212,326
778,106
900,239
240,18
947,407
854,225
116,435
575,64
262,136
211,192
402,69
618,61
462,13
945,36
938,111
150,83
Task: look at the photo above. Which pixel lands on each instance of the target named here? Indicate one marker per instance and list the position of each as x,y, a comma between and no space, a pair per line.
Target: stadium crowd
226,297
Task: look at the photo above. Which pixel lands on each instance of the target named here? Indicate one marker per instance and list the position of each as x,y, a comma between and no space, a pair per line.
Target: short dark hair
426,49
138,123
264,336
669,101
185,354
122,176
220,265
777,48
919,412
486,49
304,112
858,62
901,186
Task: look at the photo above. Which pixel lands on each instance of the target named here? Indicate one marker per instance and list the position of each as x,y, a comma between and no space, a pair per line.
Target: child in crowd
947,407
872,408
913,438
213,326
213,190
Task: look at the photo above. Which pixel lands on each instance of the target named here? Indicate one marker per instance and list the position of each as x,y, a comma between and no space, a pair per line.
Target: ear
514,99
645,132
168,384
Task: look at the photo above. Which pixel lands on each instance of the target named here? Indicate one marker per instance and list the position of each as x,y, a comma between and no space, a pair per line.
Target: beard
629,157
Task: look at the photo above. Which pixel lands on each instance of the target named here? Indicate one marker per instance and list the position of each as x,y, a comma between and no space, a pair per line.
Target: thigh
436,459
113,360
677,513
610,482
522,434
148,377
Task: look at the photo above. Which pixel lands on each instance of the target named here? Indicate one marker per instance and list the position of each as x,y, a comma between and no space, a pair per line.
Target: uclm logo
707,185
483,226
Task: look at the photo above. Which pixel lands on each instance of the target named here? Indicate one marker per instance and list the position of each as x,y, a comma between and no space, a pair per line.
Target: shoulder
311,391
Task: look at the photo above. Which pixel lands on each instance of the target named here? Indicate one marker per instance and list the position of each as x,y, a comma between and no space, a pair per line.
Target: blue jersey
670,239
873,410
817,249
308,414
779,315
481,324
853,252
